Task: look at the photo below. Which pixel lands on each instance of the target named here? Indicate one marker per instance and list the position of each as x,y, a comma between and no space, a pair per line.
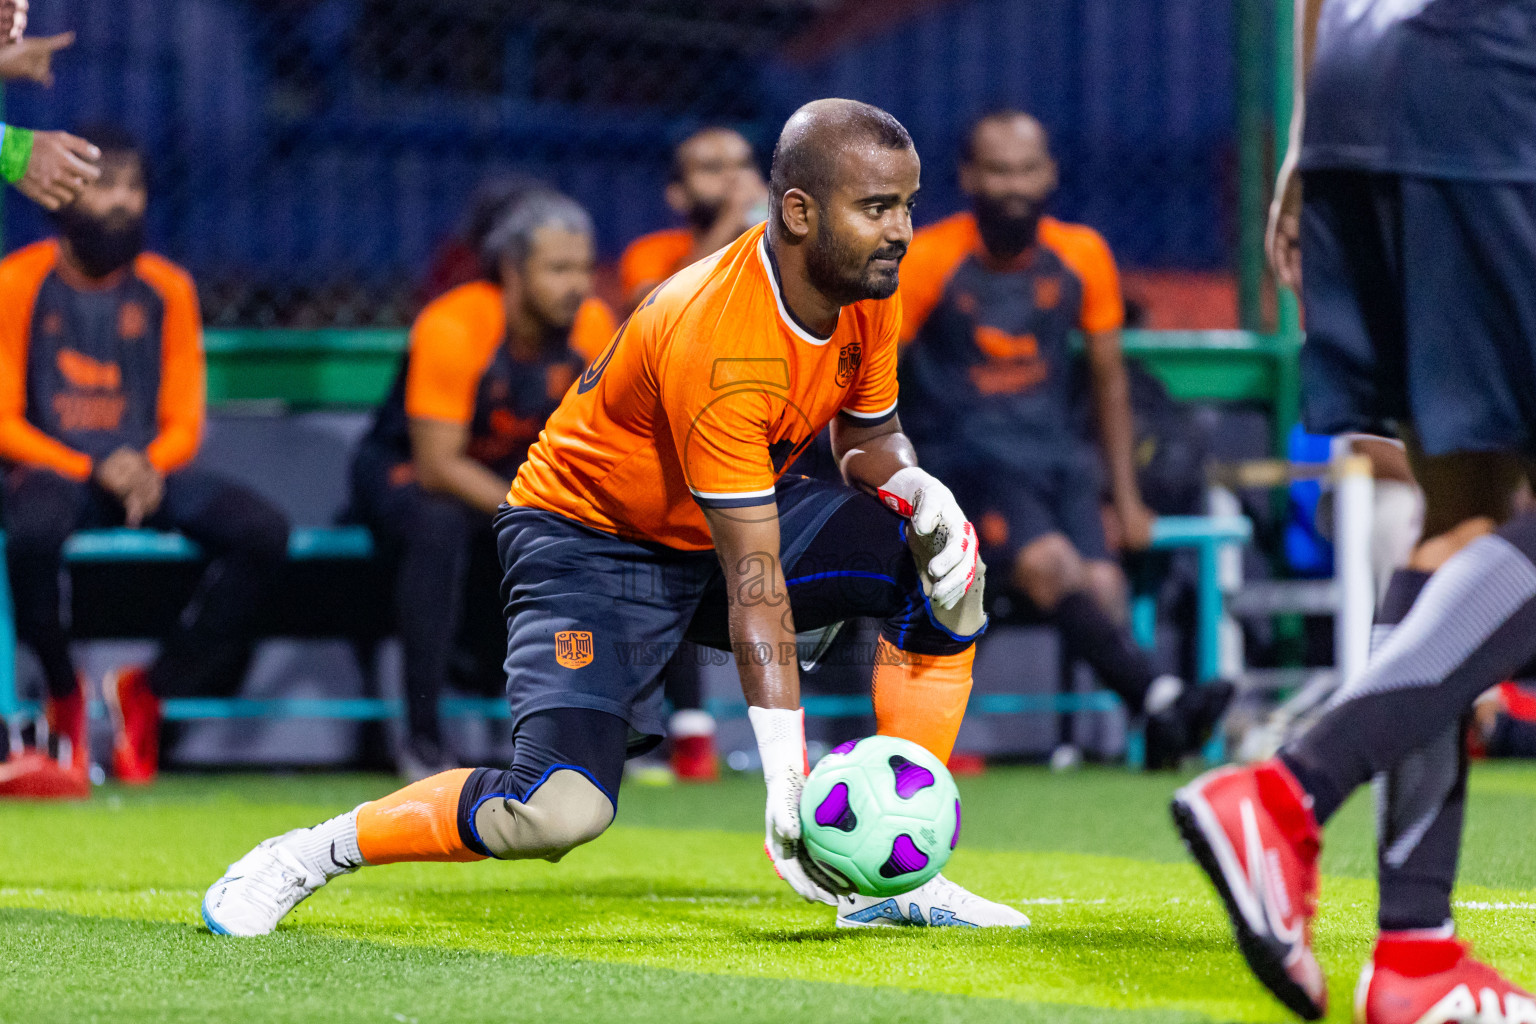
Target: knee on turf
567,810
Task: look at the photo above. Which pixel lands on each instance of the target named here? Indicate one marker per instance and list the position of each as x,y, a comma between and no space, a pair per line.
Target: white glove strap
780,736
900,491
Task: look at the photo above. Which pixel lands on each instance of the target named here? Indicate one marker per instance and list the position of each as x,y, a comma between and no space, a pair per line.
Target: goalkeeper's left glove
936,515
780,736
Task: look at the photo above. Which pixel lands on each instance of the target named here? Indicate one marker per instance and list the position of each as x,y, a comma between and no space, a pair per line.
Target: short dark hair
676,172
112,139
115,143
968,140
511,236
806,154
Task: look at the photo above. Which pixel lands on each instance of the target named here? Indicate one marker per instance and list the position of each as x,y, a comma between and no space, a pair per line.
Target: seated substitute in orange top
717,188
991,300
101,413
488,362
654,508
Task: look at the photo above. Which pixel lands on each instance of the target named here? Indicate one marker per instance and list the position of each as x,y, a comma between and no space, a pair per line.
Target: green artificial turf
674,915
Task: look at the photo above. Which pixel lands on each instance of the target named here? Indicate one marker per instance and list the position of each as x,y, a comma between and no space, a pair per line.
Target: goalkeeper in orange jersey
655,508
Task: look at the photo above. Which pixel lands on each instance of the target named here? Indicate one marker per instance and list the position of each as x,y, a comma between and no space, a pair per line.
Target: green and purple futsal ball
881,814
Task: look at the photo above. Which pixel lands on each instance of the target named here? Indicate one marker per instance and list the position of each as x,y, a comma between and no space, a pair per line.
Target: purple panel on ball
845,748
910,778
905,858
834,812
956,840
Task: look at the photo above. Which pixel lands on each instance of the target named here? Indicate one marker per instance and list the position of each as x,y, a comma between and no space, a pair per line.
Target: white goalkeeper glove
781,743
936,515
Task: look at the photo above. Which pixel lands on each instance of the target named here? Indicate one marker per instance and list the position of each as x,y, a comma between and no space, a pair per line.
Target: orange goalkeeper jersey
706,394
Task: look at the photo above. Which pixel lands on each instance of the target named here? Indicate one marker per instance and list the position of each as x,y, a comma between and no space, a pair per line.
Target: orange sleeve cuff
72,464
172,450
23,443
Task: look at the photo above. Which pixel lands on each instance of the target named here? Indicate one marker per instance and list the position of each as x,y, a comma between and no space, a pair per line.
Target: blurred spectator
991,299
1504,722
101,413
488,362
717,188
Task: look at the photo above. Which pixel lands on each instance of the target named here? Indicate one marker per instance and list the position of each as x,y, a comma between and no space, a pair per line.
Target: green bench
354,368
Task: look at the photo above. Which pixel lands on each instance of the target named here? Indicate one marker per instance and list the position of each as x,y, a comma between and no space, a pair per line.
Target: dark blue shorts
592,618
1420,299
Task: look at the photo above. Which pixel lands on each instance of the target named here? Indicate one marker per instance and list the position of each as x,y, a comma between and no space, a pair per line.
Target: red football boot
34,776
1424,979
1253,832
135,713
69,721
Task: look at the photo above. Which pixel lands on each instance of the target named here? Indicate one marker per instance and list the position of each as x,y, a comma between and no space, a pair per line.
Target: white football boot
258,890
936,902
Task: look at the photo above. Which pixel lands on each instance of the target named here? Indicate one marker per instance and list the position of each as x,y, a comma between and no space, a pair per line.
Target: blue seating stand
1206,534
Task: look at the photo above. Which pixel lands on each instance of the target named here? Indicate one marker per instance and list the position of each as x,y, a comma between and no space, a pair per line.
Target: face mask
101,245
703,214
1004,229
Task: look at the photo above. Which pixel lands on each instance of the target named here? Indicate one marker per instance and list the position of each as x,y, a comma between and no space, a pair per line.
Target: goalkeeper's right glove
780,736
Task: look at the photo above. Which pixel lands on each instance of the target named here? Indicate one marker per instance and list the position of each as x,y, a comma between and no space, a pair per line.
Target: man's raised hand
59,167
32,58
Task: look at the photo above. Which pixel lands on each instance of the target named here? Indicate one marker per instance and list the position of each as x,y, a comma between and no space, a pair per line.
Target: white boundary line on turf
1055,901
1478,905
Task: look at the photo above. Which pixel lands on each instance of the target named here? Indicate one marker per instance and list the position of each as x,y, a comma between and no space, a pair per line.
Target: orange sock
922,697
419,822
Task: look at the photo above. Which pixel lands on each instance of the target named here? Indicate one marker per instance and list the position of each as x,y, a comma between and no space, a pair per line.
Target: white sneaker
937,902
259,889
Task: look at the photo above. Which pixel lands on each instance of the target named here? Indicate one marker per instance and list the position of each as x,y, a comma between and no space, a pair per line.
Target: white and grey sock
331,846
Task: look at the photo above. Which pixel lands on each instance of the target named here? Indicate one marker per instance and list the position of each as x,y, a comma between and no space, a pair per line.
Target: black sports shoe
1185,727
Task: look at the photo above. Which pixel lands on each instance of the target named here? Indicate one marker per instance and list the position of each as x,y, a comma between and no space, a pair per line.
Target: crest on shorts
848,360
573,648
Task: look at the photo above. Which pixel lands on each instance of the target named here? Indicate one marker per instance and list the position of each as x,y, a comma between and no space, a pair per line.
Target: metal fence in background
310,156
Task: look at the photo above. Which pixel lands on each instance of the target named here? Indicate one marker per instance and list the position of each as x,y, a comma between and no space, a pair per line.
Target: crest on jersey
1047,293
132,321
573,648
848,360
